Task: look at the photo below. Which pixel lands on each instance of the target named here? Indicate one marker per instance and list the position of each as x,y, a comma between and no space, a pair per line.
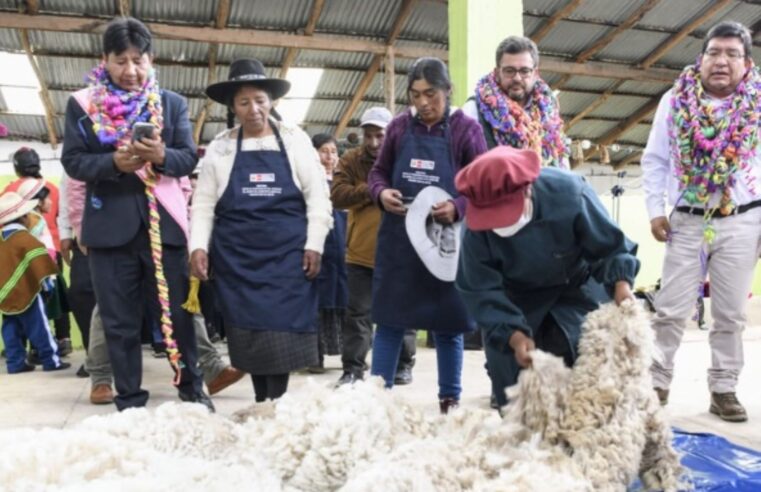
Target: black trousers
124,283
62,323
357,333
503,368
81,293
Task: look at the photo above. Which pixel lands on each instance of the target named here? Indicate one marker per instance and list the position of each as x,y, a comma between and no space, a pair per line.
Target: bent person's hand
311,263
660,228
199,264
623,291
522,345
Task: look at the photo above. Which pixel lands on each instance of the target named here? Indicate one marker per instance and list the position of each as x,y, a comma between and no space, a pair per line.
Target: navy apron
257,246
332,286
405,293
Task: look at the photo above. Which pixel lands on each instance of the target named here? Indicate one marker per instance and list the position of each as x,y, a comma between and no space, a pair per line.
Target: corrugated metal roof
338,83
632,46
375,18
377,87
531,23
590,129
582,82
427,21
671,14
320,58
606,10
572,103
180,51
639,87
322,111
9,40
26,126
281,15
619,107
543,7
66,42
638,134
69,75
268,55
186,11
97,8
570,38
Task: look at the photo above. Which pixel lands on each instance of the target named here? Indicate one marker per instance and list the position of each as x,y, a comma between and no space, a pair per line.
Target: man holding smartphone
131,156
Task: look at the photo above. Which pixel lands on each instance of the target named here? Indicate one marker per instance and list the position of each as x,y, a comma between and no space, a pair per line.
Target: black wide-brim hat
247,71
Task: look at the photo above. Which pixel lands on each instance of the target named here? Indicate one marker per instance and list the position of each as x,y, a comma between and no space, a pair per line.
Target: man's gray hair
513,45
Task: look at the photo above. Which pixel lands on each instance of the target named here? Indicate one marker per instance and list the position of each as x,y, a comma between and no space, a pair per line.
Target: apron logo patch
262,178
422,164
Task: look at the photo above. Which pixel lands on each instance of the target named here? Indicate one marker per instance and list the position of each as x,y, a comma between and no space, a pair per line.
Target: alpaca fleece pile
593,428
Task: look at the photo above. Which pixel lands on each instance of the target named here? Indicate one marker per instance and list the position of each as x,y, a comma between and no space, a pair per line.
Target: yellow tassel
193,305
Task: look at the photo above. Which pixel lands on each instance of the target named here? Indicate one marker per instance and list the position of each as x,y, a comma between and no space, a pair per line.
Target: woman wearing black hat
260,215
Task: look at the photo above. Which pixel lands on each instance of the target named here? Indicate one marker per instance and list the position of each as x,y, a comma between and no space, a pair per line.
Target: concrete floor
60,399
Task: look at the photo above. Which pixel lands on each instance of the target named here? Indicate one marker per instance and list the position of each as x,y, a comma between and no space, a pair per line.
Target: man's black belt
716,214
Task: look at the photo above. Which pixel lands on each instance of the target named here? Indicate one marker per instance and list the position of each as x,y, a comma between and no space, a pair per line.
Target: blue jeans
32,324
388,343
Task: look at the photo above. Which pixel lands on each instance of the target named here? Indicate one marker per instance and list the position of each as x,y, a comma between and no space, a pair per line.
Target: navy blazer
115,206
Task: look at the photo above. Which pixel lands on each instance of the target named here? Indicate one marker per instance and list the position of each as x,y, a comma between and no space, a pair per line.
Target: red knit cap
494,185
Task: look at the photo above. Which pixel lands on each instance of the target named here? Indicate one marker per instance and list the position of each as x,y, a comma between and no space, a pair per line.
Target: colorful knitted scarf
538,127
114,112
707,148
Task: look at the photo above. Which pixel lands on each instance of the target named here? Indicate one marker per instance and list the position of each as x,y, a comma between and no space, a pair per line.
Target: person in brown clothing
349,191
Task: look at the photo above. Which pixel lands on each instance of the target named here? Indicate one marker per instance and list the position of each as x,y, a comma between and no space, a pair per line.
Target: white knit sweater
308,175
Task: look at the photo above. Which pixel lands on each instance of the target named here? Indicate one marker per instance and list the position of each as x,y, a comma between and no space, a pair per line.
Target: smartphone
142,130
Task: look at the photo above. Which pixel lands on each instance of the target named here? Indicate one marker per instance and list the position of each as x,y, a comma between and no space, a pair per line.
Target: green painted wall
475,29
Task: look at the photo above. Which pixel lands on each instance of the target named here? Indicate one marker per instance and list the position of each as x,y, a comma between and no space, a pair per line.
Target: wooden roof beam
123,7
404,13
596,104
44,94
220,21
249,37
675,39
554,19
607,70
290,55
627,160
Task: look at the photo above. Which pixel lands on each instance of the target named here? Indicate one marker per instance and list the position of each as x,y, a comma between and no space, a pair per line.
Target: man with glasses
703,154
517,108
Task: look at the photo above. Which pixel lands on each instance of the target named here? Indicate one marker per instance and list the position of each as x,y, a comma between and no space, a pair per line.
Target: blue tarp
716,465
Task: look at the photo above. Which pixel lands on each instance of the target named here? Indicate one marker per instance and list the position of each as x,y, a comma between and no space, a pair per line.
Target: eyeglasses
511,72
732,55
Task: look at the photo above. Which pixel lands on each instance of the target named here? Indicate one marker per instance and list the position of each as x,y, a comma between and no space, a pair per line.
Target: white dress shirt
660,173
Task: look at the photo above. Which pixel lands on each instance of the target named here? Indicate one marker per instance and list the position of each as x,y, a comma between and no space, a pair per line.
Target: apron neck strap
275,132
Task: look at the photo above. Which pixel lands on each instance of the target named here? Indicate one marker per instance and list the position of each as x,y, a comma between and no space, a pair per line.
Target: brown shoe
663,396
101,394
228,376
726,406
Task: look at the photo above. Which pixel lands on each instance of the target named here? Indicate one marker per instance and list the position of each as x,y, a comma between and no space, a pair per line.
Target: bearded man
517,108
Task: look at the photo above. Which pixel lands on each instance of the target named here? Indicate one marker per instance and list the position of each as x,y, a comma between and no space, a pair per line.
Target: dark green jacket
554,265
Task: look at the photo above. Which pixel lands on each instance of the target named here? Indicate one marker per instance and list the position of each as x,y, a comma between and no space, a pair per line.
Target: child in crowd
27,273
57,304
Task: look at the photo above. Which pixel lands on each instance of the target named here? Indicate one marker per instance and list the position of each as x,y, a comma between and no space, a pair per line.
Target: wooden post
390,80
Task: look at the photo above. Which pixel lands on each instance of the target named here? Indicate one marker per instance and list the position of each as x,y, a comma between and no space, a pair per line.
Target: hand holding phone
142,130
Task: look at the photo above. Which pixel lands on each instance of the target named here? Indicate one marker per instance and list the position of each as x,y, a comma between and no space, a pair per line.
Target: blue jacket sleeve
180,156
78,159
479,281
609,252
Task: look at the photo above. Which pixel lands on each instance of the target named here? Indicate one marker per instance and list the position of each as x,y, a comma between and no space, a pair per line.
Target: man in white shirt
703,154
